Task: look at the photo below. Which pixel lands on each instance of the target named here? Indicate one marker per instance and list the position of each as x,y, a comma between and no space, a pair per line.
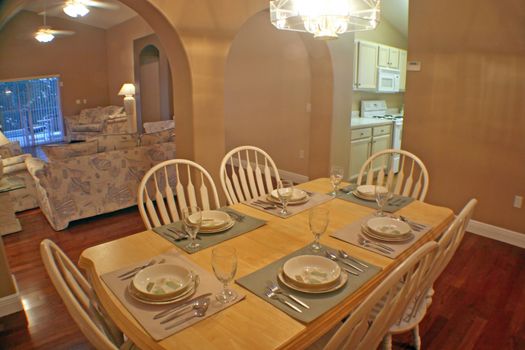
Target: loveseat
98,176
96,121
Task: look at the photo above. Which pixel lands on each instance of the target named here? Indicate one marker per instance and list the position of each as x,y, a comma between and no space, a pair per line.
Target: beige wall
466,108
78,59
150,89
119,51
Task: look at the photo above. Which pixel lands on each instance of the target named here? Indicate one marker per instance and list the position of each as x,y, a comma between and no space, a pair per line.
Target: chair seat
94,127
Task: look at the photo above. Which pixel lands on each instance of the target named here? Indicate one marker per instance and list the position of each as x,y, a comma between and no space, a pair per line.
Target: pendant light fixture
325,19
75,8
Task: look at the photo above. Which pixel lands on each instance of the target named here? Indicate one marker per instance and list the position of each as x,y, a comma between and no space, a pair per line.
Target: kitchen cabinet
365,69
388,57
365,142
402,69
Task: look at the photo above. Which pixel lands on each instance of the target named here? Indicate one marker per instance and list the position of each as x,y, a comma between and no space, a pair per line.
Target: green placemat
257,281
10,184
394,204
243,223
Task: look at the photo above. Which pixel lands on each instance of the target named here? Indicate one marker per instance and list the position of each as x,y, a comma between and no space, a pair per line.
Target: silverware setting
196,305
133,272
345,255
273,295
197,312
236,216
271,286
181,305
334,257
413,225
374,245
179,235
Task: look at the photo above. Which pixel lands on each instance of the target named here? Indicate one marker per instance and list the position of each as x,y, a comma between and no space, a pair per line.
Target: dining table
254,323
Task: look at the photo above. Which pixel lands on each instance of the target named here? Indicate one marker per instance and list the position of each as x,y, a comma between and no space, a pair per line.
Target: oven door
388,80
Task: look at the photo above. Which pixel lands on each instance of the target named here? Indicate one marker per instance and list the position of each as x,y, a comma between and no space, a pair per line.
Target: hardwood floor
479,301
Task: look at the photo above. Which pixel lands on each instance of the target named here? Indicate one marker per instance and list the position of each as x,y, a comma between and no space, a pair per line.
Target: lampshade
75,8
325,19
127,89
44,35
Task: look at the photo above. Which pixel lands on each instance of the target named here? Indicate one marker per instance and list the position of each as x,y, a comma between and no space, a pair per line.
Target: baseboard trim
11,303
497,233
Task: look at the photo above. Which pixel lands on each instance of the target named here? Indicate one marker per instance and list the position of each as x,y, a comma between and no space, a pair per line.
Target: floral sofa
96,121
98,176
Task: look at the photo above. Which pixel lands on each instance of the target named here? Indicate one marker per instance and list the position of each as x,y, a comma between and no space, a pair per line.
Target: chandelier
325,19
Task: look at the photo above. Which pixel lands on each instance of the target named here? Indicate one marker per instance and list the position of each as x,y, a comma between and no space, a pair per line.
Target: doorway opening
30,111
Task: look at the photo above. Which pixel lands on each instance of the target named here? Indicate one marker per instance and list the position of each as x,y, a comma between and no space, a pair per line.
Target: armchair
96,121
15,168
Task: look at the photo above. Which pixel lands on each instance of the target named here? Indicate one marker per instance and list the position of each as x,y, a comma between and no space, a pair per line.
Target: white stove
378,109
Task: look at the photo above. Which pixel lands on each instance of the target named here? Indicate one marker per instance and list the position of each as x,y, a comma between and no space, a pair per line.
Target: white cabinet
402,69
388,57
365,142
365,69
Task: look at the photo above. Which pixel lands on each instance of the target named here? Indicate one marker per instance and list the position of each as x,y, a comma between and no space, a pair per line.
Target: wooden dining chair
80,300
247,172
448,244
169,187
361,331
411,180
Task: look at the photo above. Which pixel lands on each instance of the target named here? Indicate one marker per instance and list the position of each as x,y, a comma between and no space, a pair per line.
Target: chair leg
387,342
417,339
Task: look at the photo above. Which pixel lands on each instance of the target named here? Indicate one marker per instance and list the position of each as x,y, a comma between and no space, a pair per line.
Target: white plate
219,229
388,227
278,201
162,281
312,271
297,195
212,219
137,296
369,190
372,235
366,198
341,282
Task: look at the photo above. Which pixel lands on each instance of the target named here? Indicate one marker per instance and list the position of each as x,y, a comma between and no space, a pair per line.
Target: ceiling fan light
75,9
44,36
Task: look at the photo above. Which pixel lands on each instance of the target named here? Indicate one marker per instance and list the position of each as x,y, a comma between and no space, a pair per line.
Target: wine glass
191,222
336,176
383,195
224,263
318,219
285,192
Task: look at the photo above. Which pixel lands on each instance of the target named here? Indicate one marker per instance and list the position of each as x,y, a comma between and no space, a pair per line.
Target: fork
377,246
236,216
273,295
275,288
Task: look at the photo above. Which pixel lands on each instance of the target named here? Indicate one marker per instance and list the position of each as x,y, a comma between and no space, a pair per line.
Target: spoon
199,312
273,295
345,255
196,305
334,258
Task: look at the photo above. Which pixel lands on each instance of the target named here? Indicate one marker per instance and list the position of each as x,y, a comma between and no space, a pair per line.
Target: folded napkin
262,203
351,234
144,313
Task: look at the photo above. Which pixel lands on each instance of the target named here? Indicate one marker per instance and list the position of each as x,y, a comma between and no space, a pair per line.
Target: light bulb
44,36
75,8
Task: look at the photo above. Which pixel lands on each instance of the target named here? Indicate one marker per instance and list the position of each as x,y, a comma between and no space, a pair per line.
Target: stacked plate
298,197
387,229
214,221
312,274
163,284
368,192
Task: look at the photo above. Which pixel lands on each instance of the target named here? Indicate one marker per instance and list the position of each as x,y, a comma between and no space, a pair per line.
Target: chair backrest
246,173
169,187
79,298
364,328
411,180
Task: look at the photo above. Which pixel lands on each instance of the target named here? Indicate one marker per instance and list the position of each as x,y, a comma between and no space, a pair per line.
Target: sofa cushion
167,135
90,115
112,111
92,127
115,142
66,151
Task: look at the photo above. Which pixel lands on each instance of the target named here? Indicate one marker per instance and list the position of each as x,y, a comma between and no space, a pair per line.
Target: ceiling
97,17
396,12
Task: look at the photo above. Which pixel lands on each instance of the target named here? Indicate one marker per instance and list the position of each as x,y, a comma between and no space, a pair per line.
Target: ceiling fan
80,8
45,33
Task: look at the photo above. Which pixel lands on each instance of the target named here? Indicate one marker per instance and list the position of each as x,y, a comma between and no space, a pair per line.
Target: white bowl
297,195
309,271
162,281
213,219
388,227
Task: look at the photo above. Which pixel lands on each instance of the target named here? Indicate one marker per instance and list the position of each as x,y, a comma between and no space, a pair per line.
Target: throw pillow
115,142
65,151
167,135
112,111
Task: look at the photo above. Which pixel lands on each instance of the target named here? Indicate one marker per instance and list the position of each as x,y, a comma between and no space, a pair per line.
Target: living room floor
479,301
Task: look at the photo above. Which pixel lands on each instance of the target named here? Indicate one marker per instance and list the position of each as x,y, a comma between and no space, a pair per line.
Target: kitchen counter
357,123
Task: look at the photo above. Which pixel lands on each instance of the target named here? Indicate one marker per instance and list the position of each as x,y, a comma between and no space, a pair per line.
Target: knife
179,306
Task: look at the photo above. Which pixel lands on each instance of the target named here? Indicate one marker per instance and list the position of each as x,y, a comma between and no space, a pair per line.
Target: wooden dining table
254,323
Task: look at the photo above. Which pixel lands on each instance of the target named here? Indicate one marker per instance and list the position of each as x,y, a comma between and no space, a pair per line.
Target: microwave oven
388,80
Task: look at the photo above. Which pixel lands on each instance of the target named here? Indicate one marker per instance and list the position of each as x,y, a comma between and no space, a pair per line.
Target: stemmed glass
191,222
224,263
318,219
336,176
285,192
383,195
